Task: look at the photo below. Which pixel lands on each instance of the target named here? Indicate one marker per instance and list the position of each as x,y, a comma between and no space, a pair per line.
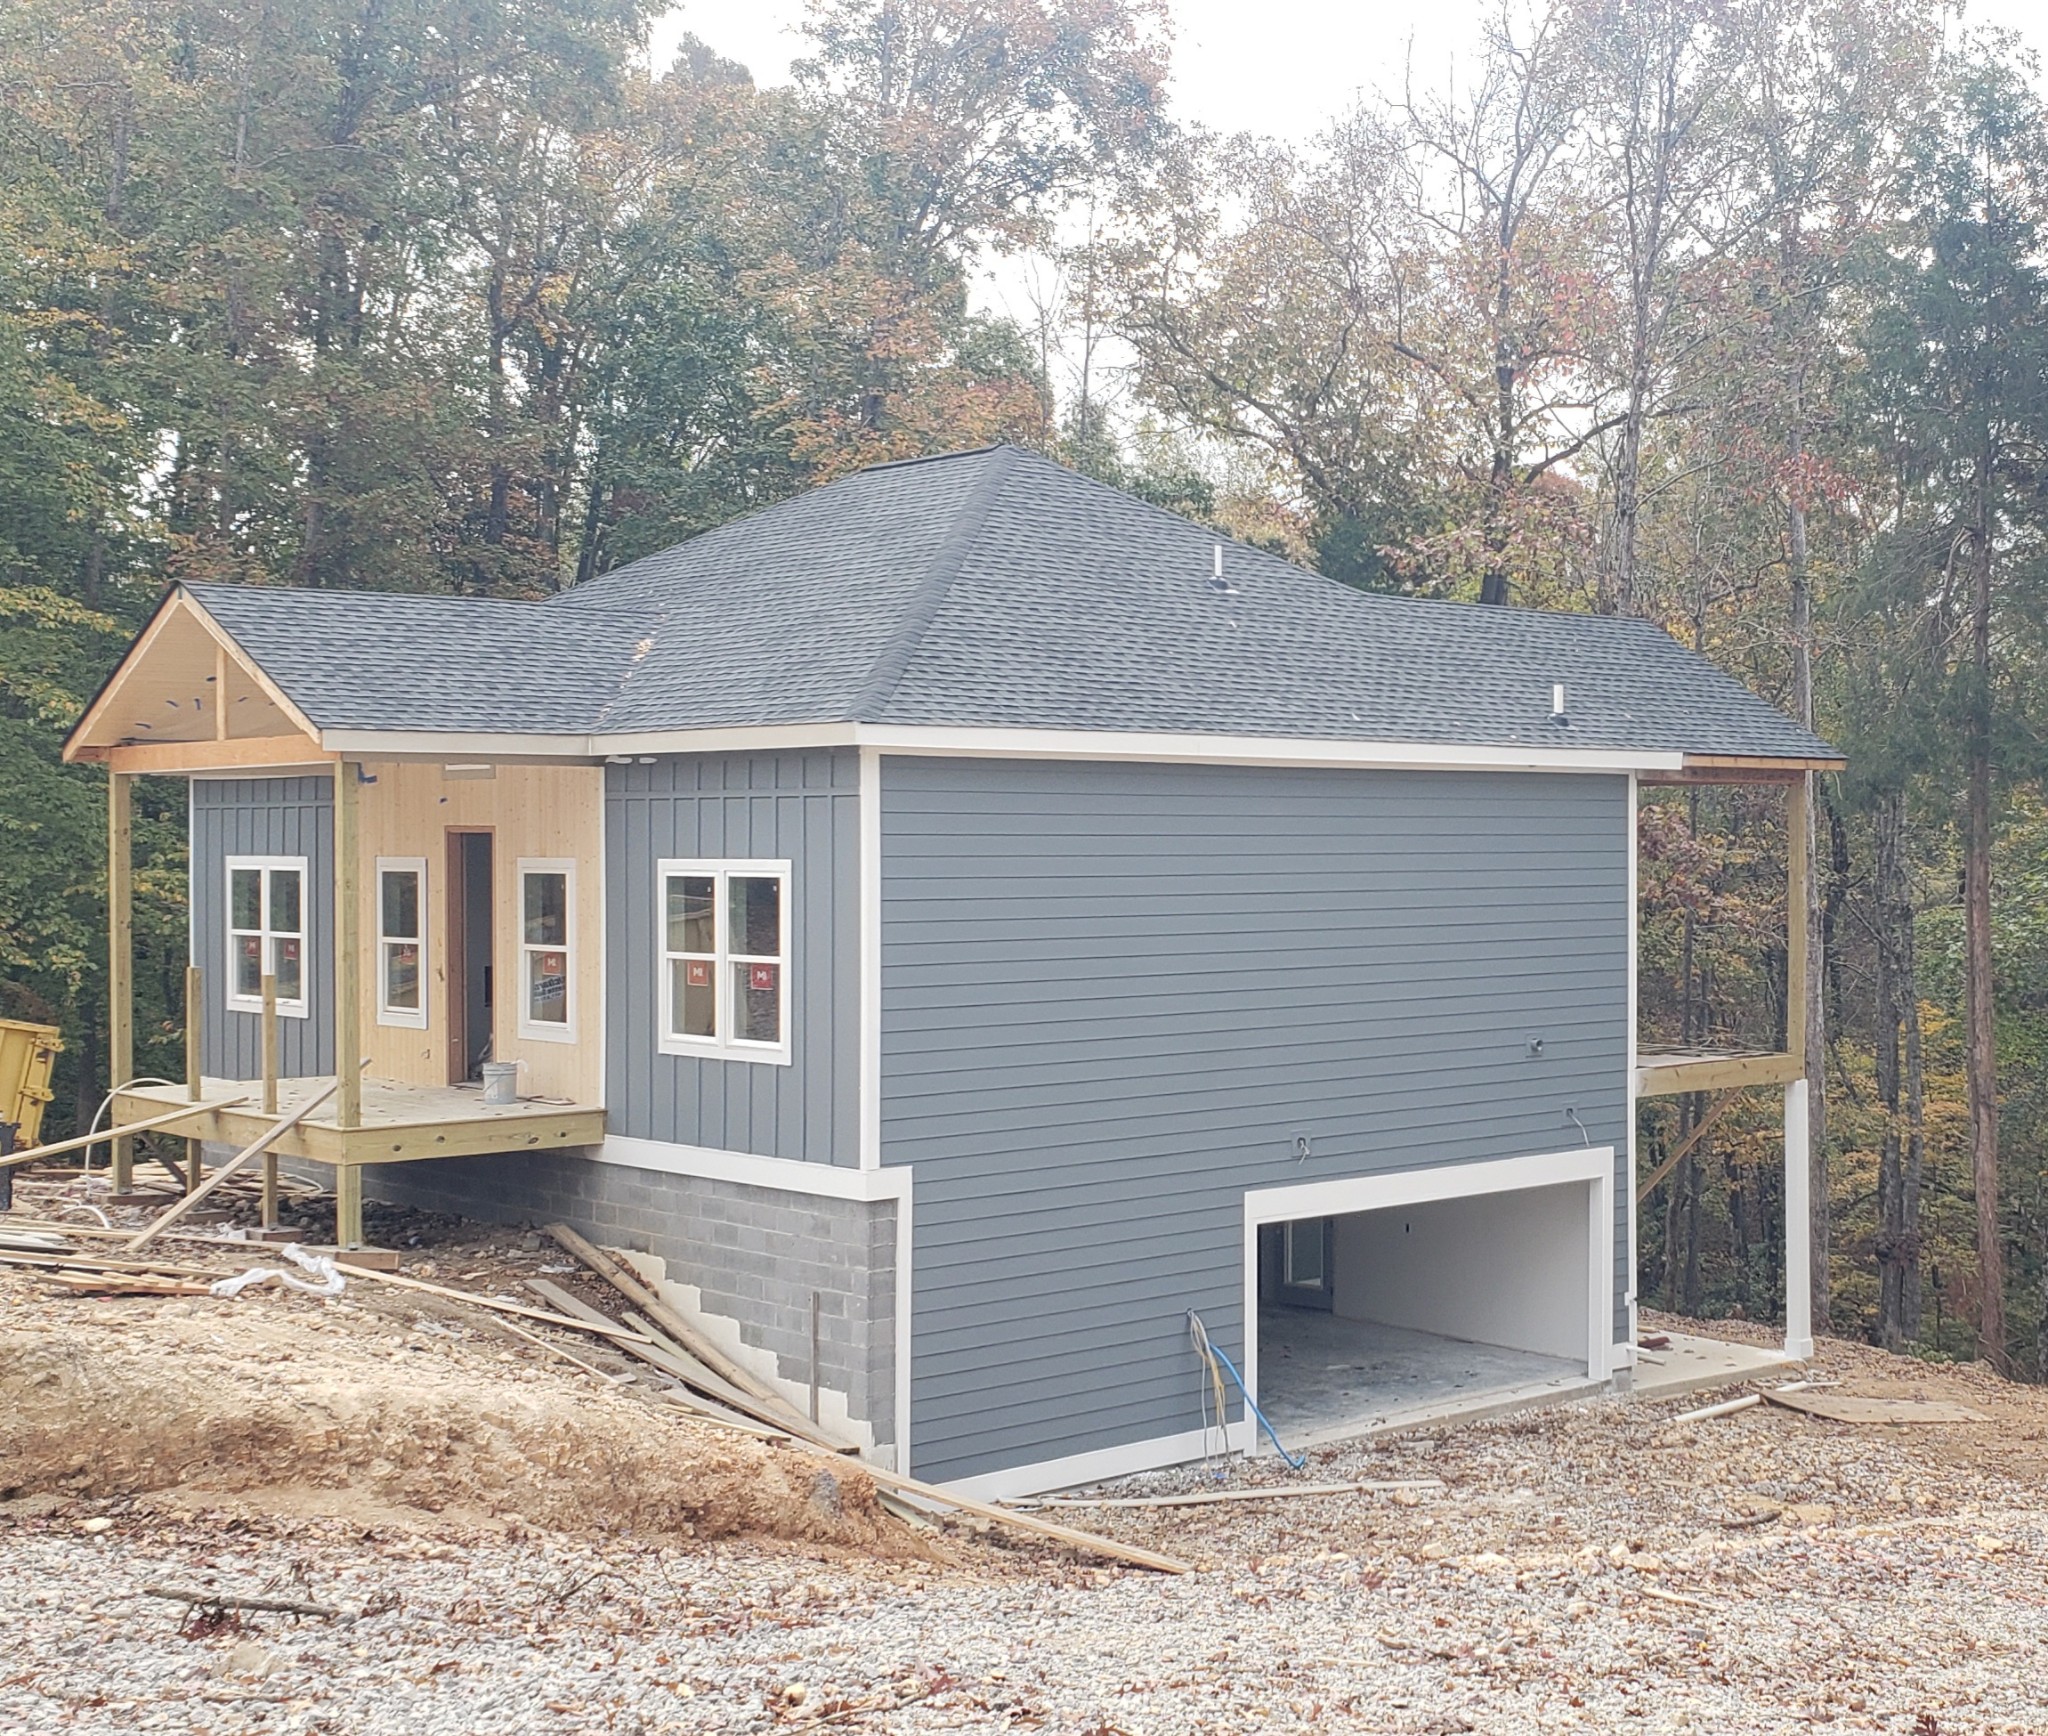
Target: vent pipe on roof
1217,582
1557,711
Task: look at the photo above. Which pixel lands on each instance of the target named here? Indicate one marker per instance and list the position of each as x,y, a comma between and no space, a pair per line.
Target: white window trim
722,1047
566,867
407,1018
239,1003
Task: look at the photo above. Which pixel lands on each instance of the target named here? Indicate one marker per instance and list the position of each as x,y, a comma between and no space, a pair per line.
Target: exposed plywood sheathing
551,812
186,686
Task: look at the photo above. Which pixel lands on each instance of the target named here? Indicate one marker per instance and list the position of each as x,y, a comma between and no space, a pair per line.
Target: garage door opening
1430,1306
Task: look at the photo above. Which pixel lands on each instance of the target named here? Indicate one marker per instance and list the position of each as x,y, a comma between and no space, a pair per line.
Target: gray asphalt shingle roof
991,589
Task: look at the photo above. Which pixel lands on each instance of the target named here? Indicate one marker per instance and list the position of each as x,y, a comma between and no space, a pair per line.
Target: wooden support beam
121,957
348,932
1707,1123
348,1205
270,1042
1667,1078
242,753
195,1012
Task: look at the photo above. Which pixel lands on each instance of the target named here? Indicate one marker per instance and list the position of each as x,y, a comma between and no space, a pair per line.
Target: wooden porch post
121,957
348,998
348,928
195,1005
1798,1125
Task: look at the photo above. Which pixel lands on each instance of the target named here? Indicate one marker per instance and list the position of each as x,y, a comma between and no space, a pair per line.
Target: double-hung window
402,941
547,951
725,959
267,932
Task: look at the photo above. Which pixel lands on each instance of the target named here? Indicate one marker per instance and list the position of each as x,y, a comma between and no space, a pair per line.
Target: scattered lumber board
125,1284
1203,1498
1847,1408
497,1305
766,1404
1726,1408
184,1113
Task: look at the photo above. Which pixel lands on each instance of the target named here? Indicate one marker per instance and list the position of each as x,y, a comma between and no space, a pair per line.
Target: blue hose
1295,1461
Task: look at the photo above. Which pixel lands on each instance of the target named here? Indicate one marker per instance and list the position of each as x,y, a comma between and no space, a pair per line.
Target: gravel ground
1581,1571
1592,1567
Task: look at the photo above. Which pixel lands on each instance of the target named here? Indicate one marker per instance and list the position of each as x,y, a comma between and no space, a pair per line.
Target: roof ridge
894,658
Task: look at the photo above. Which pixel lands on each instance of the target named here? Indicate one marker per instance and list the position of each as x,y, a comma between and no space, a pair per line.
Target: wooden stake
270,1042
170,1116
121,957
348,929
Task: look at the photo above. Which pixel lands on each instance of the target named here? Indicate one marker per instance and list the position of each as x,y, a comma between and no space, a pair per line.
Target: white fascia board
1076,744
1442,1181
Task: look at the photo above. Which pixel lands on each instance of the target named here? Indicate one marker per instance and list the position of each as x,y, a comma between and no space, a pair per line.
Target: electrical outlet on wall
1302,1145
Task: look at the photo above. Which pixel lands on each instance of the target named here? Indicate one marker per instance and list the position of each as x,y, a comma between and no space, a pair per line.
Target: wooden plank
121,957
348,960
348,1205
1209,1497
623,1336
1085,1541
1707,1123
269,1105
169,1118
195,1006
1721,1073
262,1144
630,1286
1840,1407
249,753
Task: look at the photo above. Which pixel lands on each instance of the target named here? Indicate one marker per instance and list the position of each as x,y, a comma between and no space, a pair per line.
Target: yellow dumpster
27,1053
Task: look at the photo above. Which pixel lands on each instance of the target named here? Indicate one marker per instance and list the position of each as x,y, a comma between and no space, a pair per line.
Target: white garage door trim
1591,1165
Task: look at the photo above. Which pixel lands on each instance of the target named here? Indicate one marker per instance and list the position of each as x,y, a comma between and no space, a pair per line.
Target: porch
395,1122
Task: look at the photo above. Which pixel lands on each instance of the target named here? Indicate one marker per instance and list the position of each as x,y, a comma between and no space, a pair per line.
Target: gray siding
263,817
1112,994
802,806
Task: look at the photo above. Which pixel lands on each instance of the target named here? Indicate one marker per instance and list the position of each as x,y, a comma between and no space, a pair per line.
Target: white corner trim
1624,1355
870,1020
1591,1165
1156,1454
1084,744
790,1175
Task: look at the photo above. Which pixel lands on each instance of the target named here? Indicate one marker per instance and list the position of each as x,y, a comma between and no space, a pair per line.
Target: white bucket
501,1081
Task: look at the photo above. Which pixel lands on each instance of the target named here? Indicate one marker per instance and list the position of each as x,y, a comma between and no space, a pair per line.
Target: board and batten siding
1114,994
263,817
799,806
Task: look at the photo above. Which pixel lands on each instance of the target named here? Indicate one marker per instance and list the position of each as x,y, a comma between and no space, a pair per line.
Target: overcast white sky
1281,67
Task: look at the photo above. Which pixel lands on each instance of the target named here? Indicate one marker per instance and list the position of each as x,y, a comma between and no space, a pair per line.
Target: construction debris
1204,1497
1849,1408
1726,1408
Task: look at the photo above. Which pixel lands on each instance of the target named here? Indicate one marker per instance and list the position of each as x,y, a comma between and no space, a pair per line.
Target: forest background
1727,313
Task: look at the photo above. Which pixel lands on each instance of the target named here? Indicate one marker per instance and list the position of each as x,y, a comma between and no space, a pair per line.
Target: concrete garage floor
1322,1378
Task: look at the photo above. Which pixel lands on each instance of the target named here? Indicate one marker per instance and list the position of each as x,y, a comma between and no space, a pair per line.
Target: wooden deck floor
400,1123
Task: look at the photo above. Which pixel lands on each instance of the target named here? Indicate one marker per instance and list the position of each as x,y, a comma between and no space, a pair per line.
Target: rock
825,1497
93,1527
248,1660
1807,1513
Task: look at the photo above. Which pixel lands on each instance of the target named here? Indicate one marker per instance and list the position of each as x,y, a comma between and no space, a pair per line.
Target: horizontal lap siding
1112,995
802,807
263,817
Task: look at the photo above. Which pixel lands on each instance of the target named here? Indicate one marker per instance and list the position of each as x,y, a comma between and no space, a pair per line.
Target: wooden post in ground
121,957
348,1205
270,1093
348,928
195,1011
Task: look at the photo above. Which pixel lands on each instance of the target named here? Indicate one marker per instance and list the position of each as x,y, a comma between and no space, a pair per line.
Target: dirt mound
269,1401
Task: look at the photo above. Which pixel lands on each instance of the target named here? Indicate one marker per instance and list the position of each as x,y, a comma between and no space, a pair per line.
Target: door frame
1591,1165
456,926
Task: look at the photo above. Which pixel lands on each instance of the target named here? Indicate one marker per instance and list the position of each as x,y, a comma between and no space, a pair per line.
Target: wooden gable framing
187,698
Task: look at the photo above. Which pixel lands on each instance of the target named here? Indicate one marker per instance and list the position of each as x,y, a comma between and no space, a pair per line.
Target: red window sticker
554,964
288,949
761,976
696,973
